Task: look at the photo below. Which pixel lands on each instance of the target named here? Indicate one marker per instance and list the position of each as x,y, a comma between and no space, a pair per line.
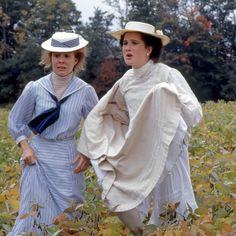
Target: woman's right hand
82,163
28,155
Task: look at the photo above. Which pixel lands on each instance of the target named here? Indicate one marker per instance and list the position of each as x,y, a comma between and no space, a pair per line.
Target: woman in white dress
137,135
51,107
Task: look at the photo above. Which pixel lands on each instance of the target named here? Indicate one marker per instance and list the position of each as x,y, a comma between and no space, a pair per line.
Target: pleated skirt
175,184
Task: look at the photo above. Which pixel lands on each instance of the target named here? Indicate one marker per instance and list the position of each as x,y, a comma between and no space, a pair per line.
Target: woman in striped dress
49,183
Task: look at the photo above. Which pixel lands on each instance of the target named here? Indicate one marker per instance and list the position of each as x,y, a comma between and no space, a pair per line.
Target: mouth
61,68
128,56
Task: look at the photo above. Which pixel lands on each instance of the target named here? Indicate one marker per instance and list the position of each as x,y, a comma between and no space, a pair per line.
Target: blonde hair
80,54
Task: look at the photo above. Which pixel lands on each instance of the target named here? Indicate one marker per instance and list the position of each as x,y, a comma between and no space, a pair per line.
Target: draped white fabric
129,144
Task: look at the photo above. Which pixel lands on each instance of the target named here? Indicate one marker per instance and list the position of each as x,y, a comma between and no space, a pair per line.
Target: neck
141,65
56,76
60,83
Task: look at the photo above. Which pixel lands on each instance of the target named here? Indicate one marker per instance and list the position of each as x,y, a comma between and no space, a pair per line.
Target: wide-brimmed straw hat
135,26
64,42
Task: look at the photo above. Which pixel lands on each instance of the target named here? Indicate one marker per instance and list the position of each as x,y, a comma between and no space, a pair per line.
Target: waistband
56,139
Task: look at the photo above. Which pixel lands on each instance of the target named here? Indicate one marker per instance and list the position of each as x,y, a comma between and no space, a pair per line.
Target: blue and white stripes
51,183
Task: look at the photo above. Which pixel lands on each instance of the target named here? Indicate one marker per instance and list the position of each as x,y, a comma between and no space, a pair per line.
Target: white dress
175,183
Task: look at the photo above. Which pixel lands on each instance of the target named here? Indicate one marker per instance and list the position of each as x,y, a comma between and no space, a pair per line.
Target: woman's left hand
82,163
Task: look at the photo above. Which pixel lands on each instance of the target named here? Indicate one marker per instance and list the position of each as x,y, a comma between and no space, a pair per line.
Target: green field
213,167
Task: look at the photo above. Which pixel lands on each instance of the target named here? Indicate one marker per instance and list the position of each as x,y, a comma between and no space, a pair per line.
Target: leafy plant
213,166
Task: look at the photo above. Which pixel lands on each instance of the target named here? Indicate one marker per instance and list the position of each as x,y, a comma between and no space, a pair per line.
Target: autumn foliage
213,167
107,76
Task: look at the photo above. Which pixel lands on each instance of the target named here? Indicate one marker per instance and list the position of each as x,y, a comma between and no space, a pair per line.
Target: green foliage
19,70
204,47
9,176
213,161
202,44
213,170
24,25
48,16
99,42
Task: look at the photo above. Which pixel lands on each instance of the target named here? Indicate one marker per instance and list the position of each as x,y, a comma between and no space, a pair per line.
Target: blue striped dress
50,186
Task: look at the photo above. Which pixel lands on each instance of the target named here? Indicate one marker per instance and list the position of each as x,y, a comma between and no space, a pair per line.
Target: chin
128,63
62,74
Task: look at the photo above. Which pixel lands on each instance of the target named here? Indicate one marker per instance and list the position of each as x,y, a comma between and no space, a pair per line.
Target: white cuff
19,139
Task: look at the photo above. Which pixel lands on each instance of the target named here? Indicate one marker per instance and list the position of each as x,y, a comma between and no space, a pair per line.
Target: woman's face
134,50
63,62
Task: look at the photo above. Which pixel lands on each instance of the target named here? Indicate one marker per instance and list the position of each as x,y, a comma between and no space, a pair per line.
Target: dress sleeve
21,113
91,100
191,108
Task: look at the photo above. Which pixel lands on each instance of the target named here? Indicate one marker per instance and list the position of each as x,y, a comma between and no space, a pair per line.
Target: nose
61,59
127,46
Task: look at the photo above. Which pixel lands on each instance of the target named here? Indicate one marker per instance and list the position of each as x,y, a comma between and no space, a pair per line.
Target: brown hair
150,41
79,54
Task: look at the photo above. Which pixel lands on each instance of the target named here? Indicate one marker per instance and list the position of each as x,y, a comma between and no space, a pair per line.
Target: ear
149,50
76,61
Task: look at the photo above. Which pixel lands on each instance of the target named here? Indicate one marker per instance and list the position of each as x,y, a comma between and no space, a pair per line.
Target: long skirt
174,186
48,187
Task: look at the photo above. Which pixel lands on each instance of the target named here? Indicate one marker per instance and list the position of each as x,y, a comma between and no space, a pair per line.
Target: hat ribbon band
68,44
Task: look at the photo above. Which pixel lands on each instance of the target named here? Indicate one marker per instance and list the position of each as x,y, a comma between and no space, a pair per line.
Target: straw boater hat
135,26
64,42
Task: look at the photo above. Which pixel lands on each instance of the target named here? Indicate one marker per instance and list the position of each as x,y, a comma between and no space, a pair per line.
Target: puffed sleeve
191,108
21,113
91,100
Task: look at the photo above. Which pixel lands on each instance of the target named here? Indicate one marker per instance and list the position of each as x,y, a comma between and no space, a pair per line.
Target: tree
26,25
100,46
122,9
5,49
203,40
209,46
48,16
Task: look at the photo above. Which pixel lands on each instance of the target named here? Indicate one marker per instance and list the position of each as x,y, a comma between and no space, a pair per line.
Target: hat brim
48,47
117,34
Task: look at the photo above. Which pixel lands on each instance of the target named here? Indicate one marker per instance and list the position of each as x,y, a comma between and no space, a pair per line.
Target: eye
134,42
56,55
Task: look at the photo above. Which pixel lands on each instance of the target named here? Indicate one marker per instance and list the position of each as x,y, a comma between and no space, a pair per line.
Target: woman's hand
28,155
82,163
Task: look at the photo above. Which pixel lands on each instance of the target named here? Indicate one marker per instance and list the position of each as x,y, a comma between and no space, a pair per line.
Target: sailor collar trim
74,85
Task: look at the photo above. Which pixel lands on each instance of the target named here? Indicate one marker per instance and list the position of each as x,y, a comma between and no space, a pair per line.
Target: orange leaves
195,13
184,58
204,22
213,164
189,41
107,75
61,217
205,25
35,210
108,69
200,24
